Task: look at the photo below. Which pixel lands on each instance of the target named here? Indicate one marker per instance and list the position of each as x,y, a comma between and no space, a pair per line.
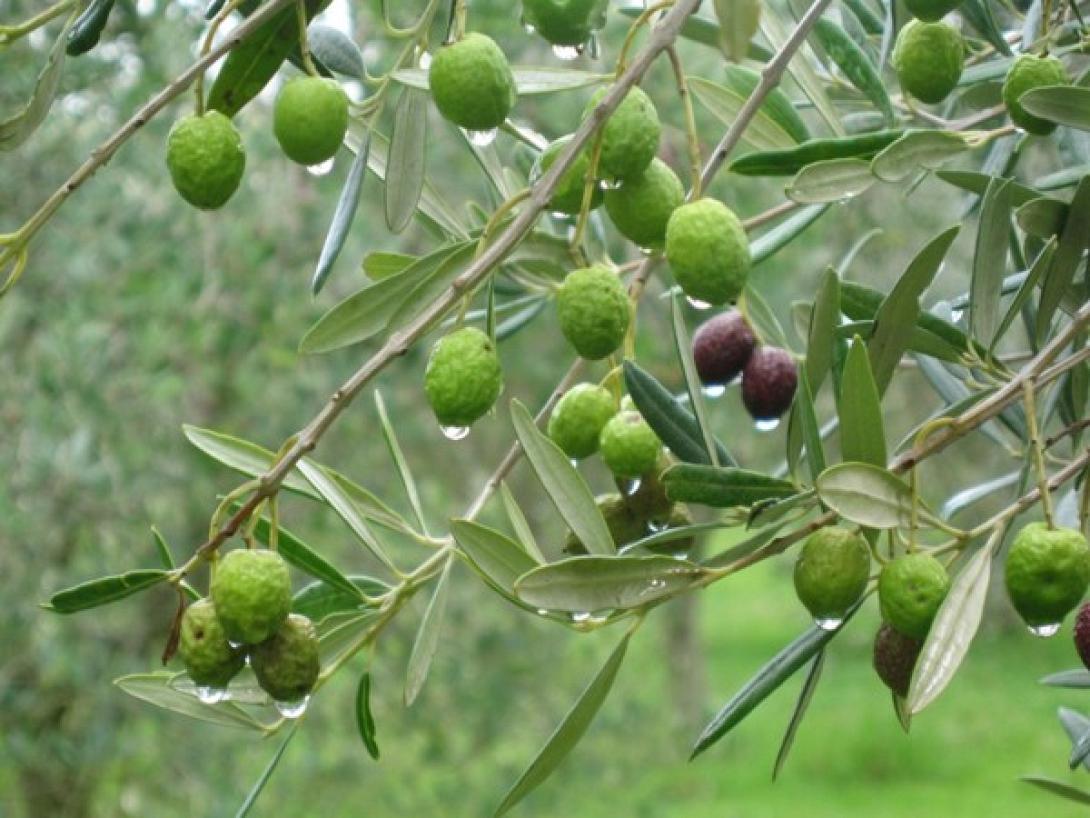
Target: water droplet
714,390
482,139
321,169
580,616
293,710
211,695
527,27
556,214
1046,630
234,645
593,46
611,184
767,424
567,52
454,432
956,315
697,304
829,623
633,486
574,463
658,583
542,612
843,200
425,60
655,526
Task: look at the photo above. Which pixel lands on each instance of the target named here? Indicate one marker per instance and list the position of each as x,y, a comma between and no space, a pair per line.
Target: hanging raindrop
767,424
697,304
211,695
293,710
829,623
482,139
454,432
1046,630
321,169
714,390
567,52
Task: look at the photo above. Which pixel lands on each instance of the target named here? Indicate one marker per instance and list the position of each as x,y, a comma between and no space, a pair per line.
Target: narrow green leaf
722,487
764,133
763,319
344,636
368,311
683,346
242,456
1043,217
529,81
103,591
493,553
430,288
675,426
1078,679
953,630
745,548
697,28
407,158
582,585
862,431
775,672
563,483
791,160
855,65
569,732
253,62
967,497
989,261
365,721
900,310
979,15
162,548
427,638
738,23
334,493
806,695
1064,104
866,494
1074,241
88,27
660,539
403,470
156,689
266,774
380,264
830,180
772,241
1060,788
17,128
808,423
345,211
823,322
522,528
977,183
1042,263
918,150
320,599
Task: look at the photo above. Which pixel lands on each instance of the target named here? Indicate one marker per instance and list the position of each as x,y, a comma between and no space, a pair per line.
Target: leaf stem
1037,452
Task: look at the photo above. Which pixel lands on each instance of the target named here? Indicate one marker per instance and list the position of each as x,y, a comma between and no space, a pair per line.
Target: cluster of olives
725,347
248,617
1047,572
206,157
929,56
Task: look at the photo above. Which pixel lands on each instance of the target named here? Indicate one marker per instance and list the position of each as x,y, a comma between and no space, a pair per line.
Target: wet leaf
918,150
866,494
105,590
427,638
806,695
831,180
156,689
493,553
722,487
588,584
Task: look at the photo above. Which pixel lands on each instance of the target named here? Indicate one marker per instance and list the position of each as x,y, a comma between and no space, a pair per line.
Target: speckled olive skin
251,590
1082,634
629,445
206,159
593,310
722,346
630,137
565,22
928,59
910,590
310,119
649,500
642,205
209,658
895,658
472,84
568,196
1047,572
1029,72
463,377
287,665
769,380
578,418
708,251
831,572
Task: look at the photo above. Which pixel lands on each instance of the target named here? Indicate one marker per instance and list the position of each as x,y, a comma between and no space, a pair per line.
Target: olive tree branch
398,343
18,241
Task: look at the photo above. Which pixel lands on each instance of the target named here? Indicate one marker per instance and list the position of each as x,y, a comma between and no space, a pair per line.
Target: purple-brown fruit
768,382
721,347
1082,634
895,658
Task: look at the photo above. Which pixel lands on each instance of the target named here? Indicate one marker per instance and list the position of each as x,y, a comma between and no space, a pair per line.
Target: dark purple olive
721,347
895,658
768,382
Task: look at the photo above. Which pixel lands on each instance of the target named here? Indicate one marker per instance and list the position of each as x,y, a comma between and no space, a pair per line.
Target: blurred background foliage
138,314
